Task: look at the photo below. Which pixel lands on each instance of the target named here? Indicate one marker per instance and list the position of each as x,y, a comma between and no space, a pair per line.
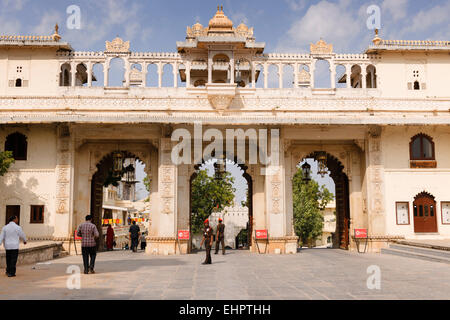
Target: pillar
210,62
280,76
73,73
348,73
164,221
175,73
160,71
89,71
375,186
253,76
105,73
266,73
363,75
188,74
332,74
64,184
296,75
312,67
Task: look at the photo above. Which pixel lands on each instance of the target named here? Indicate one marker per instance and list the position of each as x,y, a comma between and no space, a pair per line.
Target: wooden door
12,211
424,214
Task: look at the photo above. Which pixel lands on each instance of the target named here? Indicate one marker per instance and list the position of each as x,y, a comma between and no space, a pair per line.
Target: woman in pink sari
109,238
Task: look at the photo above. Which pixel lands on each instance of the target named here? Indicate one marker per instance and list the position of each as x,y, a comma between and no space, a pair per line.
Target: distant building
329,225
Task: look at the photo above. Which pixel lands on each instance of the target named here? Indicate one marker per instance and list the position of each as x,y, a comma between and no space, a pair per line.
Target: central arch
341,236
249,199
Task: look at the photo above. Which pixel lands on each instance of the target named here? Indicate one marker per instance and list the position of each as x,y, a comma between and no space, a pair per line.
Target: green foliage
6,159
146,182
207,195
309,199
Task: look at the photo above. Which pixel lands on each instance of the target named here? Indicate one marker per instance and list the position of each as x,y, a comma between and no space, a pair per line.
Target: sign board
261,234
183,234
360,233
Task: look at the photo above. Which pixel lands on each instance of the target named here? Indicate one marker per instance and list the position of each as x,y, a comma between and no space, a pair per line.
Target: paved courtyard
310,274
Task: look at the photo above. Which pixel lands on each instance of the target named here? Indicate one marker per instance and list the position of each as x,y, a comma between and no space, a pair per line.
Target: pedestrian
143,241
220,236
208,239
109,238
134,232
88,231
10,237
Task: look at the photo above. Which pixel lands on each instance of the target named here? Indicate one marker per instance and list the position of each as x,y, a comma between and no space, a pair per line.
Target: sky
287,26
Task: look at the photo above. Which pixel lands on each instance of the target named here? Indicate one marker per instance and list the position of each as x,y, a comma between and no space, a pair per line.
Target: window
12,210
17,143
416,85
421,147
18,82
37,214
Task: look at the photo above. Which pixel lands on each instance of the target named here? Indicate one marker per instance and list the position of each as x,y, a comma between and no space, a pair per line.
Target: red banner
261,234
360,233
183,234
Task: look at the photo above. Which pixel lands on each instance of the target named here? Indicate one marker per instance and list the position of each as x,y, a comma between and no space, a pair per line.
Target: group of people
12,233
208,238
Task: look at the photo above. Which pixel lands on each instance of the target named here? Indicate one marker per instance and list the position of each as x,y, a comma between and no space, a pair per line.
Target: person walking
208,239
134,232
220,236
10,237
88,231
109,238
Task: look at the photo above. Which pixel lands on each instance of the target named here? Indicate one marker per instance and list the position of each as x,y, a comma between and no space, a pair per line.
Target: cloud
397,9
47,24
335,22
296,5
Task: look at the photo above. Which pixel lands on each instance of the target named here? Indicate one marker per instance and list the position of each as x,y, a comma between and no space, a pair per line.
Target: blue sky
284,25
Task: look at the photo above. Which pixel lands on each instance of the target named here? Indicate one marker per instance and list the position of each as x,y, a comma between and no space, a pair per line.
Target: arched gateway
224,87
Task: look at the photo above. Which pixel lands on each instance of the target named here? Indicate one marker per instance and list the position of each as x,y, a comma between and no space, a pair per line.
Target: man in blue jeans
10,237
88,231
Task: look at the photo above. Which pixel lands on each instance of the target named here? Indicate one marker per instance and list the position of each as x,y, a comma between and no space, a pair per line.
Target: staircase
418,251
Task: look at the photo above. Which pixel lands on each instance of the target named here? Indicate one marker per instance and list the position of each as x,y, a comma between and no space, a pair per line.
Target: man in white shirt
10,237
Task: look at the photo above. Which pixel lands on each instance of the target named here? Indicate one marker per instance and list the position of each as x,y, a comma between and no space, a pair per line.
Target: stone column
188,74
105,73
332,74
89,71
160,72
375,186
64,183
253,76
183,206
73,73
280,76
210,63
296,75
232,70
164,221
266,73
127,73
312,67
175,73
144,74
363,75
348,74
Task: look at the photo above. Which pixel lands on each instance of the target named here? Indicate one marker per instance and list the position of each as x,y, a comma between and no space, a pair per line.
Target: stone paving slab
310,274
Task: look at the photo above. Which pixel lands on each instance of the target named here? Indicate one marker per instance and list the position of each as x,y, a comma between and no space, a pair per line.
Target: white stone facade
397,90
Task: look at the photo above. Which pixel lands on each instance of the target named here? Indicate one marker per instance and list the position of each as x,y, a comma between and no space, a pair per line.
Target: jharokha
381,127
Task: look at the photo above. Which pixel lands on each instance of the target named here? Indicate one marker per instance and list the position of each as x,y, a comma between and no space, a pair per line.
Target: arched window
18,82
416,85
17,143
421,147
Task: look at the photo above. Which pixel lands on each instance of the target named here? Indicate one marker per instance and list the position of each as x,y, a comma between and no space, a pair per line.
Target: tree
209,194
146,183
6,159
309,200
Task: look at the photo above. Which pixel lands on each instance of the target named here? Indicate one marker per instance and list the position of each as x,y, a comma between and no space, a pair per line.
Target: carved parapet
220,95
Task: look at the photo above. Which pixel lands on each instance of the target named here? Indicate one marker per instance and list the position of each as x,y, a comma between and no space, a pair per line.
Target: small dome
220,21
197,26
242,27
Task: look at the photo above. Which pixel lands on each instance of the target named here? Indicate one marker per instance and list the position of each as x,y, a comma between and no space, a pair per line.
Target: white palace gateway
382,125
